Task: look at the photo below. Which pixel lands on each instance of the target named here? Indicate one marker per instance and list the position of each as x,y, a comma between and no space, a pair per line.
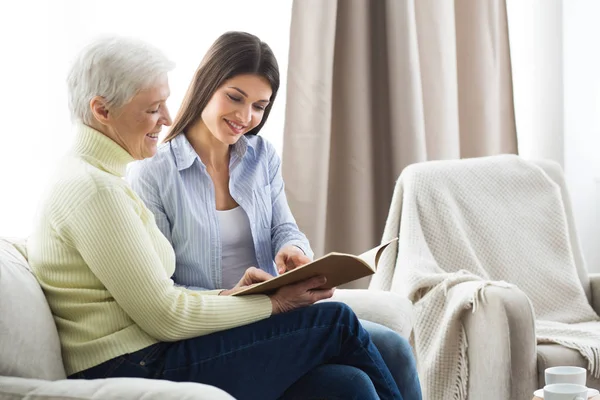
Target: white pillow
29,343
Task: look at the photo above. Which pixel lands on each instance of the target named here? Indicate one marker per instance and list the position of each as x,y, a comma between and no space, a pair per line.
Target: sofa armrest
385,308
501,346
112,388
595,286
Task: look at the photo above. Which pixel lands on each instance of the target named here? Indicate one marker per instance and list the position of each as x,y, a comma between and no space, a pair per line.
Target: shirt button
142,363
240,200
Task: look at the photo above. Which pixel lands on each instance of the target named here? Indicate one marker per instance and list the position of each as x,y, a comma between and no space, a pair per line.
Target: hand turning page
338,268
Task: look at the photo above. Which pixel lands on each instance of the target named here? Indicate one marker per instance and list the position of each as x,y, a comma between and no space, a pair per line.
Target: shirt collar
183,151
185,155
101,151
239,150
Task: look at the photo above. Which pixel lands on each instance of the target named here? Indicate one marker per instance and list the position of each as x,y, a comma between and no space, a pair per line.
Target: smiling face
236,107
135,126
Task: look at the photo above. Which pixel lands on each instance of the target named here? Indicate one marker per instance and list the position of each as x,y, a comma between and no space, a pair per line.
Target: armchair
503,357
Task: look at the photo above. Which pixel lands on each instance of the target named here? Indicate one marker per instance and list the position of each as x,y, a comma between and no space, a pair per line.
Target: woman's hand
300,294
252,276
290,257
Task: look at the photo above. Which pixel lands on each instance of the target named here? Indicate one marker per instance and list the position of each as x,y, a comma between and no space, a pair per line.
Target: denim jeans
399,358
262,360
325,382
332,382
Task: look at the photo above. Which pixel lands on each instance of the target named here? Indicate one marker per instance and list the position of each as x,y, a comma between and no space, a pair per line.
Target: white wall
581,23
38,39
556,75
535,31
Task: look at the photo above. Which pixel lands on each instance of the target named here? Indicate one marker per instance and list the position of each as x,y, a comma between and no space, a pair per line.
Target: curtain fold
376,85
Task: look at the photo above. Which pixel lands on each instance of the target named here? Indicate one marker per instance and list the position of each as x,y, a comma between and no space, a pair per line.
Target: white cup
574,375
565,391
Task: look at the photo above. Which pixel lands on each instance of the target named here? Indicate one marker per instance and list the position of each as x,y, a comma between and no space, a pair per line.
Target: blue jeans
399,358
324,382
332,382
262,360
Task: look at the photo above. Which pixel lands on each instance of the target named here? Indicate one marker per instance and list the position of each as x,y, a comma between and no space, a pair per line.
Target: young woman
216,188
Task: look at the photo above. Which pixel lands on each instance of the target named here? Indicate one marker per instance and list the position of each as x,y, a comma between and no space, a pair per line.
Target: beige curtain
375,85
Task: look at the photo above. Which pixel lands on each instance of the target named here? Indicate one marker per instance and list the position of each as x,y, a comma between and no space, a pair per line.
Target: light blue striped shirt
176,187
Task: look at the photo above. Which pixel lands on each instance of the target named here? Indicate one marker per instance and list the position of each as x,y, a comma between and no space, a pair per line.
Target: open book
338,268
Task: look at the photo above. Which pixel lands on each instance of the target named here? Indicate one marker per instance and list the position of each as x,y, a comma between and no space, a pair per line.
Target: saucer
591,393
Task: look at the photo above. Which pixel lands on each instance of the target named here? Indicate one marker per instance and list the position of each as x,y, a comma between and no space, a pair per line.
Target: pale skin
135,127
236,107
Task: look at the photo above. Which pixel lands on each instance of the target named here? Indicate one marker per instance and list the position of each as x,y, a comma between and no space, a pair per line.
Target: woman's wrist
275,309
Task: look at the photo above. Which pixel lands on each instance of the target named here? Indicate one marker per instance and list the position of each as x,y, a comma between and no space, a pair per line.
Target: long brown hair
232,54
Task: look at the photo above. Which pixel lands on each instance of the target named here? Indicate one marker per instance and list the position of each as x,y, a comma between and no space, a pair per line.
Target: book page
371,257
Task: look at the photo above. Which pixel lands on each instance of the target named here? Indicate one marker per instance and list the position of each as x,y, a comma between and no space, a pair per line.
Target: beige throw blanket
465,225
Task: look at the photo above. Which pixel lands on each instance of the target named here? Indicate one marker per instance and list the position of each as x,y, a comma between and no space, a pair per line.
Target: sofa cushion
29,343
19,244
102,389
385,308
554,355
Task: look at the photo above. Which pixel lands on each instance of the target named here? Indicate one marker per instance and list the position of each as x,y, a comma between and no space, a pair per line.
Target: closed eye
240,100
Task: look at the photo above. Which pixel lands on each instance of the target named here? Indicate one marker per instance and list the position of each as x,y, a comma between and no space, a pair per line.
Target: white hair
115,68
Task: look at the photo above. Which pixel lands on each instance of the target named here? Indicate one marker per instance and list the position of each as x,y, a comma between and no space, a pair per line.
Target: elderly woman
106,267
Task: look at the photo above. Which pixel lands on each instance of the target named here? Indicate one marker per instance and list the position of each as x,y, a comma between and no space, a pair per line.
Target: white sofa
30,358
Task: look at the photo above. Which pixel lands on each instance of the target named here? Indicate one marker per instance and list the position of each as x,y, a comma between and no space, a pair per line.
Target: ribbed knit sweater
106,268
